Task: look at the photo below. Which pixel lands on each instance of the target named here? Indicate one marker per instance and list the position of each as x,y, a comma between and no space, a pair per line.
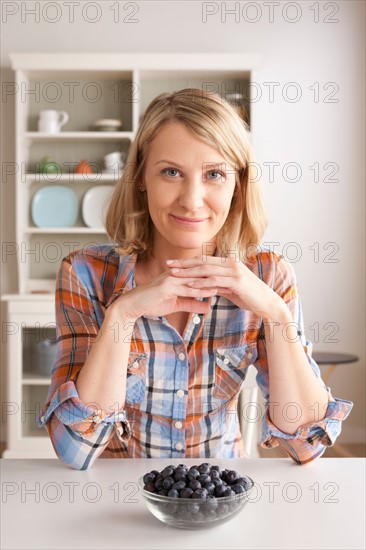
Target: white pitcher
51,121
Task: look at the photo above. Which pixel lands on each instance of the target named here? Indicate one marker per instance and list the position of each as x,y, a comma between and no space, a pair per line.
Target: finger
211,282
201,270
196,292
200,260
192,305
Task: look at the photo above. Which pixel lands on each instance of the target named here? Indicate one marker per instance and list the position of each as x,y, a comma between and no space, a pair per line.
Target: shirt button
96,418
136,364
178,446
181,356
196,319
226,361
180,393
43,418
178,425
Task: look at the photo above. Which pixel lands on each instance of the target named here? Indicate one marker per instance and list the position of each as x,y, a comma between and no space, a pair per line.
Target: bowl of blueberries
196,497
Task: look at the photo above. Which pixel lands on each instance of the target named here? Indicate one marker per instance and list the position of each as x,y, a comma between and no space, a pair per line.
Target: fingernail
170,261
175,270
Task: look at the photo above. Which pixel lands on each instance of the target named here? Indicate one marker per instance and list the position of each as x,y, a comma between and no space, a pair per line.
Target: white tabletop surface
45,504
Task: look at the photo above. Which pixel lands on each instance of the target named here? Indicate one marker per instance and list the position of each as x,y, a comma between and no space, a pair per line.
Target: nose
192,194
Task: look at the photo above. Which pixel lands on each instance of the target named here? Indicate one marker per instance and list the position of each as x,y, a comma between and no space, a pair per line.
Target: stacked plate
95,204
58,206
55,206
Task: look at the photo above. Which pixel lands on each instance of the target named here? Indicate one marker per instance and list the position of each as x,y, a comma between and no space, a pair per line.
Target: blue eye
169,170
220,174
217,172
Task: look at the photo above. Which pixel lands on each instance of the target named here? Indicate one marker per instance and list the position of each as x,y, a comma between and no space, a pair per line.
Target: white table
48,505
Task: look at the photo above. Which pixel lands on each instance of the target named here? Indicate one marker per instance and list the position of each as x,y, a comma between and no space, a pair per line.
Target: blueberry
216,482
149,487
210,514
204,478
217,469
194,507
210,487
172,507
238,489
173,493
232,476
214,474
198,517
149,477
245,482
222,509
200,493
211,503
180,476
168,482
186,492
204,468
159,483
219,491
184,513
194,485
228,492
179,485
193,473
223,474
167,472
163,492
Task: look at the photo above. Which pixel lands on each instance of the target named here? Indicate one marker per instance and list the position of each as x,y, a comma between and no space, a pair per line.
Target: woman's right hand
163,295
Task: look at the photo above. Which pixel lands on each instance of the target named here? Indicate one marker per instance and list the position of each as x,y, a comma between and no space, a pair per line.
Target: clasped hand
234,281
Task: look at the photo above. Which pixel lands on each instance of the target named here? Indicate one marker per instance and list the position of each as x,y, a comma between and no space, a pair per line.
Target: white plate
94,205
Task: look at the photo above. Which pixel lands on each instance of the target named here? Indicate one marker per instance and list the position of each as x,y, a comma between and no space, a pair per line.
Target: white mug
114,160
51,121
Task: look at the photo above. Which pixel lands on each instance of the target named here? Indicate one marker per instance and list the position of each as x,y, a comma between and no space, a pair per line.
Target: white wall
310,54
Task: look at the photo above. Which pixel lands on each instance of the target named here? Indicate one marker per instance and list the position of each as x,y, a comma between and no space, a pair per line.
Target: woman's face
185,180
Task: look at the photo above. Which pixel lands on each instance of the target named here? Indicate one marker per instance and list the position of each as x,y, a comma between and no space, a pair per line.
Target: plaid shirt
181,393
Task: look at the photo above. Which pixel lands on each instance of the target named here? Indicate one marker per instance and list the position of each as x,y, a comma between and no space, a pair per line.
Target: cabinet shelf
68,230
32,379
61,136
70,178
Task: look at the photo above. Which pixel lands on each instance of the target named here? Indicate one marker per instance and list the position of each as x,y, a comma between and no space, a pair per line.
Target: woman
155,332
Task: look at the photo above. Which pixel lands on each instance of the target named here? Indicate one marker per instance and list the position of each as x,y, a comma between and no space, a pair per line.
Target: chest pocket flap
230,369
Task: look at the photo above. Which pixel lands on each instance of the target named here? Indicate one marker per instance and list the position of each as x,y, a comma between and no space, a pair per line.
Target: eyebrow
177,163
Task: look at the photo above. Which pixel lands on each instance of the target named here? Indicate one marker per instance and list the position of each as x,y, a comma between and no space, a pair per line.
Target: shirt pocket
136,377
230,369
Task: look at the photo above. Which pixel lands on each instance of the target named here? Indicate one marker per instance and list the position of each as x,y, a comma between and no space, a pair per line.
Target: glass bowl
187,513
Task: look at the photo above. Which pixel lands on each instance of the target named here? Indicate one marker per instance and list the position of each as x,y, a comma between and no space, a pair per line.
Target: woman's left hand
234,281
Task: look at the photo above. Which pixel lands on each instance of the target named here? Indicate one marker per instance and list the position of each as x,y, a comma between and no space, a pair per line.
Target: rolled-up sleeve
310,440
79,431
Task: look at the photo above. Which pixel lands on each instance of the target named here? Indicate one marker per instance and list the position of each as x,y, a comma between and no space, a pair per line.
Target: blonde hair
217,123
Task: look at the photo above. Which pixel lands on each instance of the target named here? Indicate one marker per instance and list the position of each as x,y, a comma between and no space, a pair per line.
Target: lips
192,220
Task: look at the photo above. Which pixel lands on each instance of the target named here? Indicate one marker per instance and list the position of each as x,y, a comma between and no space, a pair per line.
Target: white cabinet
28,322
88,87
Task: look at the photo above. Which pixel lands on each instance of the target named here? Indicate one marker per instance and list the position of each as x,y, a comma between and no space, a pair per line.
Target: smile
187,221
